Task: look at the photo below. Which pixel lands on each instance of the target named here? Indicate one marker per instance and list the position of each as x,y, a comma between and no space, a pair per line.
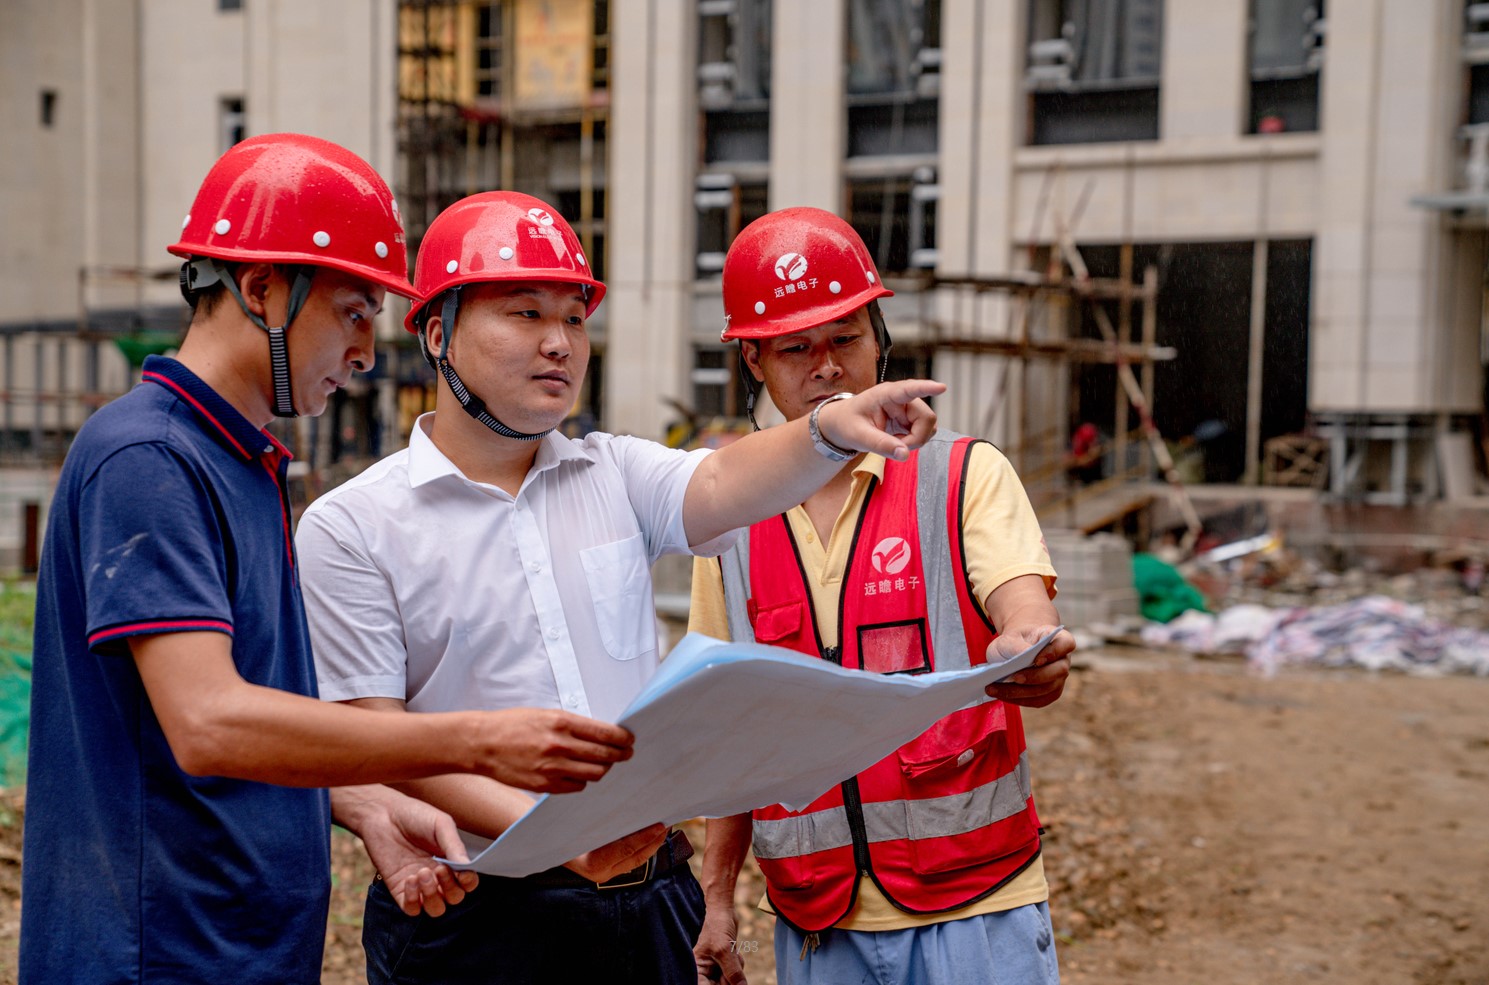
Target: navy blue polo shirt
171,514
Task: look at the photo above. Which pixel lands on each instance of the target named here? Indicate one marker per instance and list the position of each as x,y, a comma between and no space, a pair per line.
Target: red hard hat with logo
496,236
295,199
795,269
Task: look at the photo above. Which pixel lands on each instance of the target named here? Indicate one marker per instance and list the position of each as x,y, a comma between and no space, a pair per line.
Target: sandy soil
1204,825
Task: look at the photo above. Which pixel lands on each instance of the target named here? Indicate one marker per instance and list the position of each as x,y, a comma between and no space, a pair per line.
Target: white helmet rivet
452,266
870,274
381,249
505,253
835,287
321,238
222,227
186,221
580,258
759,307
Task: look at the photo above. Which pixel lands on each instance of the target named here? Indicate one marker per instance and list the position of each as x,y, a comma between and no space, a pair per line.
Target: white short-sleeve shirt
450,594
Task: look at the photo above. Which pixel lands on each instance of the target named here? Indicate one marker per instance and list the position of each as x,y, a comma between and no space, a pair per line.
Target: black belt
675,851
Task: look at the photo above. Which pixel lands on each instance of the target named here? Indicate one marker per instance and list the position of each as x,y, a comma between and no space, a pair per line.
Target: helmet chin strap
752,385
473,405
202,272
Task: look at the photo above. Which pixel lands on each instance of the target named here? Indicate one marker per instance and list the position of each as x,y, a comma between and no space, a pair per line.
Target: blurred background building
1266,216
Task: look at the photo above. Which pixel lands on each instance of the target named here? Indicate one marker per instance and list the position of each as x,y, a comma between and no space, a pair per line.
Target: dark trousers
511,932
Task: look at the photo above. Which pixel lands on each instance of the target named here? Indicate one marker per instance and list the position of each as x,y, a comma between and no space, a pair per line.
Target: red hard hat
290,198
495,236
795,269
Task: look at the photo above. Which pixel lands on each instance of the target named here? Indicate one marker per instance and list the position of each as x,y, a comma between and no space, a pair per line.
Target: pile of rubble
1279,608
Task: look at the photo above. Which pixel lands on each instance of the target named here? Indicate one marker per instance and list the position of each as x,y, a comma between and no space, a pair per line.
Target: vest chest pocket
619,585
777,622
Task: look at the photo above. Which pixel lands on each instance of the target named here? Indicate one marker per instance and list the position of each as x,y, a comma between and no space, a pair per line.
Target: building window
734,99
1093,70
229,4
231,122
725,205
896,218
734,80
1287,52
894,82
715,379
48,107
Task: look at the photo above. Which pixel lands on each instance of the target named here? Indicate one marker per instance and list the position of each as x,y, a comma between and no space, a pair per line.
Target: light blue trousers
1014,947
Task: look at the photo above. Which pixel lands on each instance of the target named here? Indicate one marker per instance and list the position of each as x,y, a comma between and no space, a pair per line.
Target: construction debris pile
1279,609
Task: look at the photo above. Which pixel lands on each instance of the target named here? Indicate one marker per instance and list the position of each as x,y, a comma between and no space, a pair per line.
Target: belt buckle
646,872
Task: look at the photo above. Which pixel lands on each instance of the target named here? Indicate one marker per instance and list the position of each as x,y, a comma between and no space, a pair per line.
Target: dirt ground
1203,825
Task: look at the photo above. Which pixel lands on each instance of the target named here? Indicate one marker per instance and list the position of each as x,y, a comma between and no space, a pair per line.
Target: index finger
906,391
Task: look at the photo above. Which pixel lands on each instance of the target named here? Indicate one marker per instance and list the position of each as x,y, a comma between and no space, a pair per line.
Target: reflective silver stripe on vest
735,567
943,612
894,820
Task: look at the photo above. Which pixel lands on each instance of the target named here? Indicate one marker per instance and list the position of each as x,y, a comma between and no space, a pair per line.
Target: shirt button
553,633
964,758
268,449
536,566
571,701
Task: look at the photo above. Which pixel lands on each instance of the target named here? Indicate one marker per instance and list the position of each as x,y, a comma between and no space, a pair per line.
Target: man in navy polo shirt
176,830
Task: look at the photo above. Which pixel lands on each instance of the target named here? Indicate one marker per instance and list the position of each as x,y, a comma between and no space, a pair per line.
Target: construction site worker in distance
924,868
177,826
495,563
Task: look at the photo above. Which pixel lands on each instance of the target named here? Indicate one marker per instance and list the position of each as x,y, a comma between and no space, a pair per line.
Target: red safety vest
948,818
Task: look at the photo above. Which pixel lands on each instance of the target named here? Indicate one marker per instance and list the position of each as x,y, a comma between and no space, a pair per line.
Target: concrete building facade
1308,182
1270,149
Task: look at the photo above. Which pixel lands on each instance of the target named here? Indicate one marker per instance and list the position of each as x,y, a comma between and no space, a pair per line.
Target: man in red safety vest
926,866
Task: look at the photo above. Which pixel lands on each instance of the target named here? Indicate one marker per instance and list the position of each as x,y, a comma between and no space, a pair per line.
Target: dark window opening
1204,312
725,206
894,47
48,108
896,128
716,387
878,211
229,4
1287,51
733,52
736,135
232,122
1093,70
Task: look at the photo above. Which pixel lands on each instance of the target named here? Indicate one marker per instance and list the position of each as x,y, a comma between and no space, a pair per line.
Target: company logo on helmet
540,216
891,555
790,266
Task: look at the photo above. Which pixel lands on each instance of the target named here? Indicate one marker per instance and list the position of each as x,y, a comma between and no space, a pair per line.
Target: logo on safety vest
539,216
891,555
790,266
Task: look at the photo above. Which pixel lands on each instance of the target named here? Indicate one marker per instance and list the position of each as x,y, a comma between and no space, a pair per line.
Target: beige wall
140,87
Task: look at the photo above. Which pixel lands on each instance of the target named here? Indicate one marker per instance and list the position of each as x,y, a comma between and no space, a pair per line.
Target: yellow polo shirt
1003,541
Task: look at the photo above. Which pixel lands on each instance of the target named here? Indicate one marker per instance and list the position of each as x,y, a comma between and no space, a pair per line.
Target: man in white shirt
494,564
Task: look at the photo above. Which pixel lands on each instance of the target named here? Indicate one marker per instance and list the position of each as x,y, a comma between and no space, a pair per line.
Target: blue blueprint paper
723,728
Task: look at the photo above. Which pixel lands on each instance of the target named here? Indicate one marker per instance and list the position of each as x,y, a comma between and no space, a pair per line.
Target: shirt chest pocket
619,584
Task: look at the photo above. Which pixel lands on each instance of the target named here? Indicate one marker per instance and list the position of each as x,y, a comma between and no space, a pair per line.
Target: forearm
353,807
478,804
723,857
257,733
1019,603
770,471
758,476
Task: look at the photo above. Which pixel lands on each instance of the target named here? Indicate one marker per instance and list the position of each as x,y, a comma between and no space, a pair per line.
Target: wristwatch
826,448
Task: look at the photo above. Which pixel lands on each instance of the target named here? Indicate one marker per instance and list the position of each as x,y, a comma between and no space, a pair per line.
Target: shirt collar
427,463
216,416
870,465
